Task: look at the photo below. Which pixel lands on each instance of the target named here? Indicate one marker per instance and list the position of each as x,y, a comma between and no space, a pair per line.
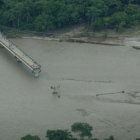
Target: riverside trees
58,135
84,130
29,137
44,15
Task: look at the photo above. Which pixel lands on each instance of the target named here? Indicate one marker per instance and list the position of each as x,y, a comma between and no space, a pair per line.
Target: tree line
44,15
81,131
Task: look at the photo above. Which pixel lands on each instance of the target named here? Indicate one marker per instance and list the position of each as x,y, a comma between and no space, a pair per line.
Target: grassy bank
80,34
15,33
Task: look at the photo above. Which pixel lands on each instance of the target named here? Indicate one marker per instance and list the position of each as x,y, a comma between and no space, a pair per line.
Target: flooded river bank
27,105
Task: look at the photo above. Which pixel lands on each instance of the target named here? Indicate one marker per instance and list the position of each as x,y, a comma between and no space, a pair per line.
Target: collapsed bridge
20,56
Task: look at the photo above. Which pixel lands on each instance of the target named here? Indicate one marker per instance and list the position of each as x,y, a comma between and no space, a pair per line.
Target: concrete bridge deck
20,56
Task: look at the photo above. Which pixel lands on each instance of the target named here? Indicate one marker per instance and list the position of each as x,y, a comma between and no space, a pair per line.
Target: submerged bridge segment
20,56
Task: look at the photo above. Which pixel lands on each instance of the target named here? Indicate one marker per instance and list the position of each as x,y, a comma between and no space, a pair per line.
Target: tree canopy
83,129
29,137
58,135
44,15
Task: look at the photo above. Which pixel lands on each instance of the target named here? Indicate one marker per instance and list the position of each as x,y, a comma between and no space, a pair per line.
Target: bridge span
20,56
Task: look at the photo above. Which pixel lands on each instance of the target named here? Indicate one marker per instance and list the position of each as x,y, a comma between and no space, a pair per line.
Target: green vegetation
82,129
44,15
29,137
58,135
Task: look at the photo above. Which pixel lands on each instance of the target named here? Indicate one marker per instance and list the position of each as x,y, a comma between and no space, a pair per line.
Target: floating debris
136,47
111,93
55,90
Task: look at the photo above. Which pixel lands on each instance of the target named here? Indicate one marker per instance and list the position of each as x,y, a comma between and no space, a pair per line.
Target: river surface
27,105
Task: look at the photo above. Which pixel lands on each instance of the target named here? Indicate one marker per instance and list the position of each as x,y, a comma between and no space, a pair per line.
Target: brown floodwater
27,105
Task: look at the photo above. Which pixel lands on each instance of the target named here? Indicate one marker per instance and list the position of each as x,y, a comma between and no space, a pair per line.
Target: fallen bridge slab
20,56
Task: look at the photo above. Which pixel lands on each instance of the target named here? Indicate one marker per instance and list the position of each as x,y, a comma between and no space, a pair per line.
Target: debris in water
110,93
56,90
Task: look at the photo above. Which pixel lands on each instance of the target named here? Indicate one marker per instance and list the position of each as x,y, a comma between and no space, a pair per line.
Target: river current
27,105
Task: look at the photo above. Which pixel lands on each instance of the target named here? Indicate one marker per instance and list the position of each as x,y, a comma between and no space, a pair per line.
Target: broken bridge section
20,56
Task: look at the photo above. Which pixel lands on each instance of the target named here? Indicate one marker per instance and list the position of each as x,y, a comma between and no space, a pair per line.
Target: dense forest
44,15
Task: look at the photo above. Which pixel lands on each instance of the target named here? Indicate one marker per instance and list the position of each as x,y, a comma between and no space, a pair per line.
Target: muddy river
80,71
